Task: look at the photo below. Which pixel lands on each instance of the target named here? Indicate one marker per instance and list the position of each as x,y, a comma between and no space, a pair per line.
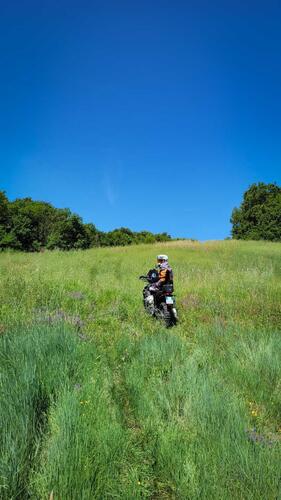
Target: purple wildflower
76,295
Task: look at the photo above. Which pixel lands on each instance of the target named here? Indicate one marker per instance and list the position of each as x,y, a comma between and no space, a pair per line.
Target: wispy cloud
109,189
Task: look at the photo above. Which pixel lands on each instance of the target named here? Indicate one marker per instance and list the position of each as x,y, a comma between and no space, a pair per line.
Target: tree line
30,225
259,215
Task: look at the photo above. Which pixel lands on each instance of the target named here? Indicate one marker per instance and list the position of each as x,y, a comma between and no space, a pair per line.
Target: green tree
5,222
31,223
4,209
145,237
259,216
92,234
69,233
120,237
162,237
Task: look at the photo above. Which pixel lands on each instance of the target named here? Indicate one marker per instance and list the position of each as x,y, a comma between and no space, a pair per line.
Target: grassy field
100,401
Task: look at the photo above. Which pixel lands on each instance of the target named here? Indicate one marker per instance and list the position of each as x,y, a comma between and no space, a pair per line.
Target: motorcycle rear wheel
167,316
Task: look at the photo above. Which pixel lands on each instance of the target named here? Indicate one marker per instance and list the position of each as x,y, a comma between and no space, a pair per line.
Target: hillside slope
98,400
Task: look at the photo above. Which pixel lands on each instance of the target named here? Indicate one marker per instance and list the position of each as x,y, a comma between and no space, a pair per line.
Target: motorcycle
162,303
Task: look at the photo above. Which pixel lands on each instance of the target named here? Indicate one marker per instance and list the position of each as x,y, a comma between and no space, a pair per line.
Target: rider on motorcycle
158,298
165,274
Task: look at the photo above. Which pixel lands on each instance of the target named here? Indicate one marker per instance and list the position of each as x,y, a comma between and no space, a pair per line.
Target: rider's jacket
165,275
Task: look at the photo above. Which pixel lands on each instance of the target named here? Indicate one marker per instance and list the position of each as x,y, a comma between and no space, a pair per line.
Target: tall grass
99,401
37,364
197,427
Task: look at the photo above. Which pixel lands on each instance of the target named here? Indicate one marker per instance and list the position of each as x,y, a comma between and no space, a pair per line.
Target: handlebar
146,278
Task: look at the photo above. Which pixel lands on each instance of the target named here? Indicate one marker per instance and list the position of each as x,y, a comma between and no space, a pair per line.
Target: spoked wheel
166,315
149,308
148,302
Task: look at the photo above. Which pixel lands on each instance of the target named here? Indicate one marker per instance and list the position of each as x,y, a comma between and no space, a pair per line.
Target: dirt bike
162,303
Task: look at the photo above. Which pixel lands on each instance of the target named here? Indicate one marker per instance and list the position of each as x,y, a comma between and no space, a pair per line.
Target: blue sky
150,115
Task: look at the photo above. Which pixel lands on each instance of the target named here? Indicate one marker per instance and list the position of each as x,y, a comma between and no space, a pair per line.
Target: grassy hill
100,401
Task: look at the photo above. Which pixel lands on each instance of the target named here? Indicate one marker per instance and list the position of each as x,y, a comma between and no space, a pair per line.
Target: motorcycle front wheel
148,303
